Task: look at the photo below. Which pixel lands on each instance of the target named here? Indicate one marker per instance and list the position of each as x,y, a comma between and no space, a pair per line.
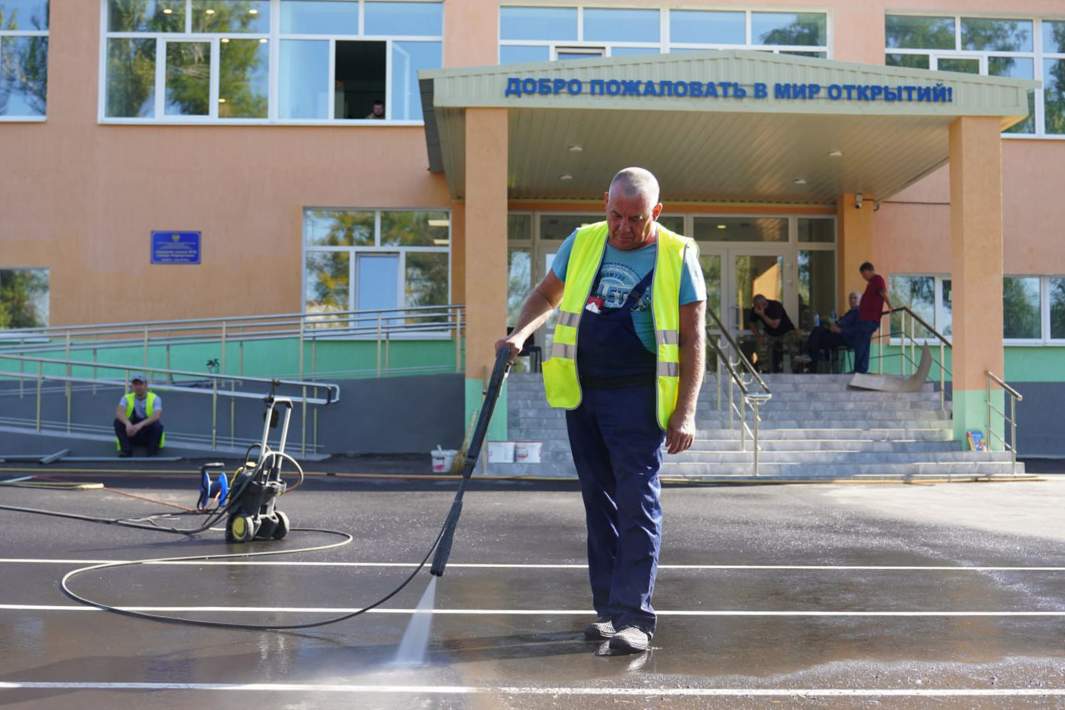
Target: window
23,59
798,33
1007,47
267,60
927,296
1033,307
1021,308
740,229
540,34
519,262
23,298
1056,297
375,259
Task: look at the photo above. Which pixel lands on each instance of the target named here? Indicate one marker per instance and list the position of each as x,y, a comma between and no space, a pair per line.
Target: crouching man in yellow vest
137,419
626,363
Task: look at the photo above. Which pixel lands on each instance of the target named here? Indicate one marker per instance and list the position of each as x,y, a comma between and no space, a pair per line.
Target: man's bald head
635,182
631,208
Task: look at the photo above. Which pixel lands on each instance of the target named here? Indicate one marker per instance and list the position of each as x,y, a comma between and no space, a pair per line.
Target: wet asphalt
819,623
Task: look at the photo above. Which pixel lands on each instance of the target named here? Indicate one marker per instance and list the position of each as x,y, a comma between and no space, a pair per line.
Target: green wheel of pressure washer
240,528
282,527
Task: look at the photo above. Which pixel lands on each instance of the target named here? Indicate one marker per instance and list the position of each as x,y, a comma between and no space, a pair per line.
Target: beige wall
81,198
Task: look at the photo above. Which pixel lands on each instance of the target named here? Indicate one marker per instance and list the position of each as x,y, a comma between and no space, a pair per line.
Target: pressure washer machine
256,486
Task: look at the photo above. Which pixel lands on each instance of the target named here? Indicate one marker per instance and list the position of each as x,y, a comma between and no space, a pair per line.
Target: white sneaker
601,630
630,639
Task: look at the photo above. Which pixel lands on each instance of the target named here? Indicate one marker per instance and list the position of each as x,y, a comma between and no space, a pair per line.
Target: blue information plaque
175,247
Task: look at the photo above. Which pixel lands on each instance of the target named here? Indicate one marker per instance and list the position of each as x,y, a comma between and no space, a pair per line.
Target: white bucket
527,451
442,459
500,452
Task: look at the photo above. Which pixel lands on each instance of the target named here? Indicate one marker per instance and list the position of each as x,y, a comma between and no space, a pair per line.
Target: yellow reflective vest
561,380
149,410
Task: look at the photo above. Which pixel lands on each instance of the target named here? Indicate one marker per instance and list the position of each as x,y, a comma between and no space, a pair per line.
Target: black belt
613,383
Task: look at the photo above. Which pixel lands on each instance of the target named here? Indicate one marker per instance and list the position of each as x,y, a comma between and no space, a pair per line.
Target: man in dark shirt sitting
772,329
826,338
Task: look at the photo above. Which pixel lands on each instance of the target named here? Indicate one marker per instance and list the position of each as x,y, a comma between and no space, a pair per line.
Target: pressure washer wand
495,385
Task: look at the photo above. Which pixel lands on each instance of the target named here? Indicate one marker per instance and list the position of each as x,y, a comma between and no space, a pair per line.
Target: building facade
311,147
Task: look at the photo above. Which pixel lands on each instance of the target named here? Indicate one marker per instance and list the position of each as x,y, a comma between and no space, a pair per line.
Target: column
976,269
855,245
485,247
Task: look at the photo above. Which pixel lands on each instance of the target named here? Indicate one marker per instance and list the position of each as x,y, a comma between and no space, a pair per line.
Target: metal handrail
910,340
138,326
381,325
1011,419
221,385
734,347
738,380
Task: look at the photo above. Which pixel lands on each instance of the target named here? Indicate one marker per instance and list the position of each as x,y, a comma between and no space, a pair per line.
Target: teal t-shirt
622,270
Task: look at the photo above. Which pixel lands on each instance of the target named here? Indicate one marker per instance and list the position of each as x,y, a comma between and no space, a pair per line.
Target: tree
243,74
807,30
23,298
24,60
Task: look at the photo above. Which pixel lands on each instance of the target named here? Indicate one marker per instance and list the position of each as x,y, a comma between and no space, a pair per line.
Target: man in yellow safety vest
627,361
137,419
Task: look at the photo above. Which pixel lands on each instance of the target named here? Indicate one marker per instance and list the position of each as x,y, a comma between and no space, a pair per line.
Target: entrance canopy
719,126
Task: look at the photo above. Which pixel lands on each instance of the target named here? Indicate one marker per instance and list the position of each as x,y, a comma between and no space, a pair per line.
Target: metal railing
217,386
382,326
1011,419
747,391
913,335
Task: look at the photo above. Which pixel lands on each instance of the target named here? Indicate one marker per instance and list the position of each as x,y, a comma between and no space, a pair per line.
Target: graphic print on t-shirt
616,281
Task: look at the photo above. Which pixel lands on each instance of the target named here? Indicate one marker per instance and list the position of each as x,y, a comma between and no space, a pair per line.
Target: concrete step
801,451
804,403
778,471
843,470
883,434
839,457
547,429
869,445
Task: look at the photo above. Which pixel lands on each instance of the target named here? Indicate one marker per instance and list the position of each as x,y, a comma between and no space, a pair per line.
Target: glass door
755,274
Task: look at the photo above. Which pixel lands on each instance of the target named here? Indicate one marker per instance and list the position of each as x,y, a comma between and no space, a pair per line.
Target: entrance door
754,272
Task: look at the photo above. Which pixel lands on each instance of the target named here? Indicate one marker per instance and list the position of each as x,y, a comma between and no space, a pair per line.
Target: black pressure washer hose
442,543
447,534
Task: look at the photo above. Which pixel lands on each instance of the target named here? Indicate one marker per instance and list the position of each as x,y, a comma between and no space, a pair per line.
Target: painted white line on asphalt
524,612
520,690
492,565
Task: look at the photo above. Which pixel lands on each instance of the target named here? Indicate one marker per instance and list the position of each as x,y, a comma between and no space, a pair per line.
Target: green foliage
243,71
807,30
23,298
1020,307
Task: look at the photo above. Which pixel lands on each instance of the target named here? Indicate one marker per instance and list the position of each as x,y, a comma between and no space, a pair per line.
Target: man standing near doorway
860,333
627,363
137,419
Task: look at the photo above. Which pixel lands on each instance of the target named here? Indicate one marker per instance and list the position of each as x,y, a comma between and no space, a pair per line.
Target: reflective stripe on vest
561,381
149,407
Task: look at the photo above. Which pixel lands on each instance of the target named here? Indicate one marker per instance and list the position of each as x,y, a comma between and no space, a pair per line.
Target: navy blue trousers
859,337
617,449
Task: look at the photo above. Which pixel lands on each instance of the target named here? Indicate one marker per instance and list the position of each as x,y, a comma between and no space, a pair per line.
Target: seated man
137,419
826,338
772,329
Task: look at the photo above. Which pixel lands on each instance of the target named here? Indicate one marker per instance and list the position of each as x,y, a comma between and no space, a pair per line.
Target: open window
361,80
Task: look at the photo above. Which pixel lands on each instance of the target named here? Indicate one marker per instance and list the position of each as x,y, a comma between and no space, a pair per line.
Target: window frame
21,118
378,249
1037,56
274,37
664,45
1044,339
938,310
